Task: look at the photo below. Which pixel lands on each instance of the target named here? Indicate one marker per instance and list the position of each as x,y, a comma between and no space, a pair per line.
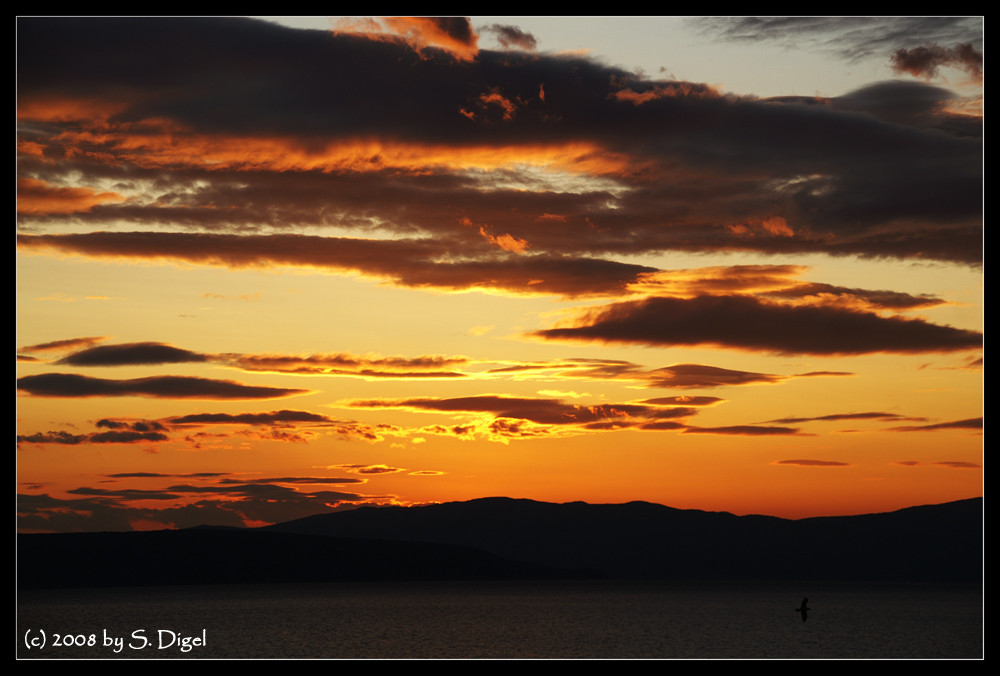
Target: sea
573,620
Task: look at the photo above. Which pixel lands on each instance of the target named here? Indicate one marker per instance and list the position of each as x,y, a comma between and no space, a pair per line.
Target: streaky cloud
745,323
836,417
408,263
62,344
161,387
966,424
743,430
271,418
814,463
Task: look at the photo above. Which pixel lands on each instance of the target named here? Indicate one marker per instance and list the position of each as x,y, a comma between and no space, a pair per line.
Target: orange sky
396,263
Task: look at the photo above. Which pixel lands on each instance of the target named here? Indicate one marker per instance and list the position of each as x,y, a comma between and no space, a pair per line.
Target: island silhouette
505,538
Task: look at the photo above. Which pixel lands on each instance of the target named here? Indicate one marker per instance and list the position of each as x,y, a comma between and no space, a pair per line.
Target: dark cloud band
162,387
746,323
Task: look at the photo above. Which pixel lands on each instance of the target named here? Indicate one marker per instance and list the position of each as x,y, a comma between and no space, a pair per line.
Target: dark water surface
502,620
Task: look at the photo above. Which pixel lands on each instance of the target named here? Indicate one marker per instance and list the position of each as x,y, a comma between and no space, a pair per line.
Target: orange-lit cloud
177,148
668,90
369,469
451,34
800,178
507,242
38,197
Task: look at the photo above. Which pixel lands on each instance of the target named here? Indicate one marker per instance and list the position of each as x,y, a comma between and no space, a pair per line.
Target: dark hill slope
644,540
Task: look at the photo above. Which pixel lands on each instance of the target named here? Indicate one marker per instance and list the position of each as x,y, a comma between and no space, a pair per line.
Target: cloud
556,153
232,503
285,426
35,196
925,61
369,366
862,299
836,417
157,475
349,365
58,437
314,480
537,410
512,37
913,104
62,344
370,469
674,376
454,35
409,263
684,400
950,464
126,493
814,463
131,354
744,323
283,417
125,437
501,418
43,513
853,38
966,424
701,375
743,430
276,422
163,387
134,425
375,367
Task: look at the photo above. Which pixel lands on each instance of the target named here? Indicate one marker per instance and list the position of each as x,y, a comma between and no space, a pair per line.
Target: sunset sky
276,266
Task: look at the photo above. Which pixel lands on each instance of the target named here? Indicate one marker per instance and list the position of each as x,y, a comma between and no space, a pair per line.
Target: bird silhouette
804,609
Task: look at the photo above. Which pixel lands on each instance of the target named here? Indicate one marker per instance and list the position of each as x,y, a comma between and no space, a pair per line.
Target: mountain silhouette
644,540
504,538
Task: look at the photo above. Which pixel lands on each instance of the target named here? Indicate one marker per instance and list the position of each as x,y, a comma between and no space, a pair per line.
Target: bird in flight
804,608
